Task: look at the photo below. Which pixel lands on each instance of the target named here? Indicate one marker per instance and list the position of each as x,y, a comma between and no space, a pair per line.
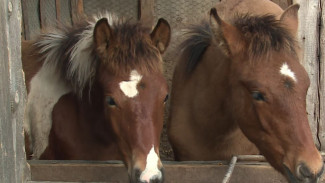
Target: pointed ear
227,35
102,35
290,18
160,35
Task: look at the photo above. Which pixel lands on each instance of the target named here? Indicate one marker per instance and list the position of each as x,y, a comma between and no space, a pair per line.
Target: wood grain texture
308,36
77,10
13,166
322,78
146,12
189,172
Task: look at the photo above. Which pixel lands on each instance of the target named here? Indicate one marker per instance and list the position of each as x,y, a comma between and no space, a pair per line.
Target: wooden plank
146,12
31,18
48,14
189,172
25,20
321,132
308,36
13,166
58,10
77,10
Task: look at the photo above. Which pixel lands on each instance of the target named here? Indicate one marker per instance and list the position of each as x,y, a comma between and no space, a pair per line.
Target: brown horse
96,92
239,89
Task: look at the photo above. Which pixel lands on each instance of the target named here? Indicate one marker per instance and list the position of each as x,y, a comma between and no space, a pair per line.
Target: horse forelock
131,49
70,51
264,34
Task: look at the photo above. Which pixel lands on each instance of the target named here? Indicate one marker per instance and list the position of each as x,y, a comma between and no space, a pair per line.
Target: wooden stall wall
13,165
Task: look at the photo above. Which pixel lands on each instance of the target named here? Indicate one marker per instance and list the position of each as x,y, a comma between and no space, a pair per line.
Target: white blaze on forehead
129,88
285,70
151,171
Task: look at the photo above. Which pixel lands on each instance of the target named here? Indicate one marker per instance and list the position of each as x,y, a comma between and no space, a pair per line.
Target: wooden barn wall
13,165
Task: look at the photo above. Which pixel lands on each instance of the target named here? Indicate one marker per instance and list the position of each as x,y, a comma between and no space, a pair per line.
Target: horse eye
166,98
110,101
258,96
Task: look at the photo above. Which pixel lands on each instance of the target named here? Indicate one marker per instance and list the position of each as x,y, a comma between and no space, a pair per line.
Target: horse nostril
304,171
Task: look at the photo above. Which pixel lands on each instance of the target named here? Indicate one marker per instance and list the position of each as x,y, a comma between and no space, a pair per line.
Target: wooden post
13,166
321,131
58,10
26,20
146,12
308,36
77,10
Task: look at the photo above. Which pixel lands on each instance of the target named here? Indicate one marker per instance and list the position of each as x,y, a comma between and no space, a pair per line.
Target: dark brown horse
239,89
96,92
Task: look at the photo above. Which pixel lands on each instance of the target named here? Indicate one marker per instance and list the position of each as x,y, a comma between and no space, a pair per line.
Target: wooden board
189,172
13,167
308,36
321,131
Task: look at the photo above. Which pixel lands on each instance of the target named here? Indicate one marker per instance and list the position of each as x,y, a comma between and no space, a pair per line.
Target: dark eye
166,98
110,101
258,96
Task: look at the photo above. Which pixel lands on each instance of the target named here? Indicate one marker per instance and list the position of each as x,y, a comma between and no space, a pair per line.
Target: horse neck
213,90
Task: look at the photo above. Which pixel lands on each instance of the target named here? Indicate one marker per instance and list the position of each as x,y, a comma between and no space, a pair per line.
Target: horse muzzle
304,174
139,176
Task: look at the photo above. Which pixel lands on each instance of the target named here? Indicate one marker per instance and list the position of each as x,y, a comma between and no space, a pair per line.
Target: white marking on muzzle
285,70
129,88
151,171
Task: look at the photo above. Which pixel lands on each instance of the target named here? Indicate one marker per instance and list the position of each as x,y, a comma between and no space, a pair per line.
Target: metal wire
232,164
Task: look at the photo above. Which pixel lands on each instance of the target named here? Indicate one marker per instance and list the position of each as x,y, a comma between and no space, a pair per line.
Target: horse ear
160,35
290,18
102,35
227,35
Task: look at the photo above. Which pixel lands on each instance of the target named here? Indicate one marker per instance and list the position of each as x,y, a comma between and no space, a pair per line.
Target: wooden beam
25,19
146,12
77,10
13,166
58,10
189,172
308,36
321,130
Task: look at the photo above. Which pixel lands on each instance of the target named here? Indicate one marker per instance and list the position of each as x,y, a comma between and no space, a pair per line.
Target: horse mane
71,52
262,34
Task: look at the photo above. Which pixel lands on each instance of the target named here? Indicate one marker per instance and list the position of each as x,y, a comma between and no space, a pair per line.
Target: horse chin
293,179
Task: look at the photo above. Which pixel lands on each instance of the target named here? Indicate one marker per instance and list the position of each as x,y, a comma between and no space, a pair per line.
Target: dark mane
262,34
70,51
198,38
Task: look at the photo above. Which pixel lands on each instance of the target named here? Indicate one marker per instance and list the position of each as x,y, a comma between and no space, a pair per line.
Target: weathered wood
321,131
25,20
58,10
146,12
308,36
77,10
189,172
48,14
13,166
